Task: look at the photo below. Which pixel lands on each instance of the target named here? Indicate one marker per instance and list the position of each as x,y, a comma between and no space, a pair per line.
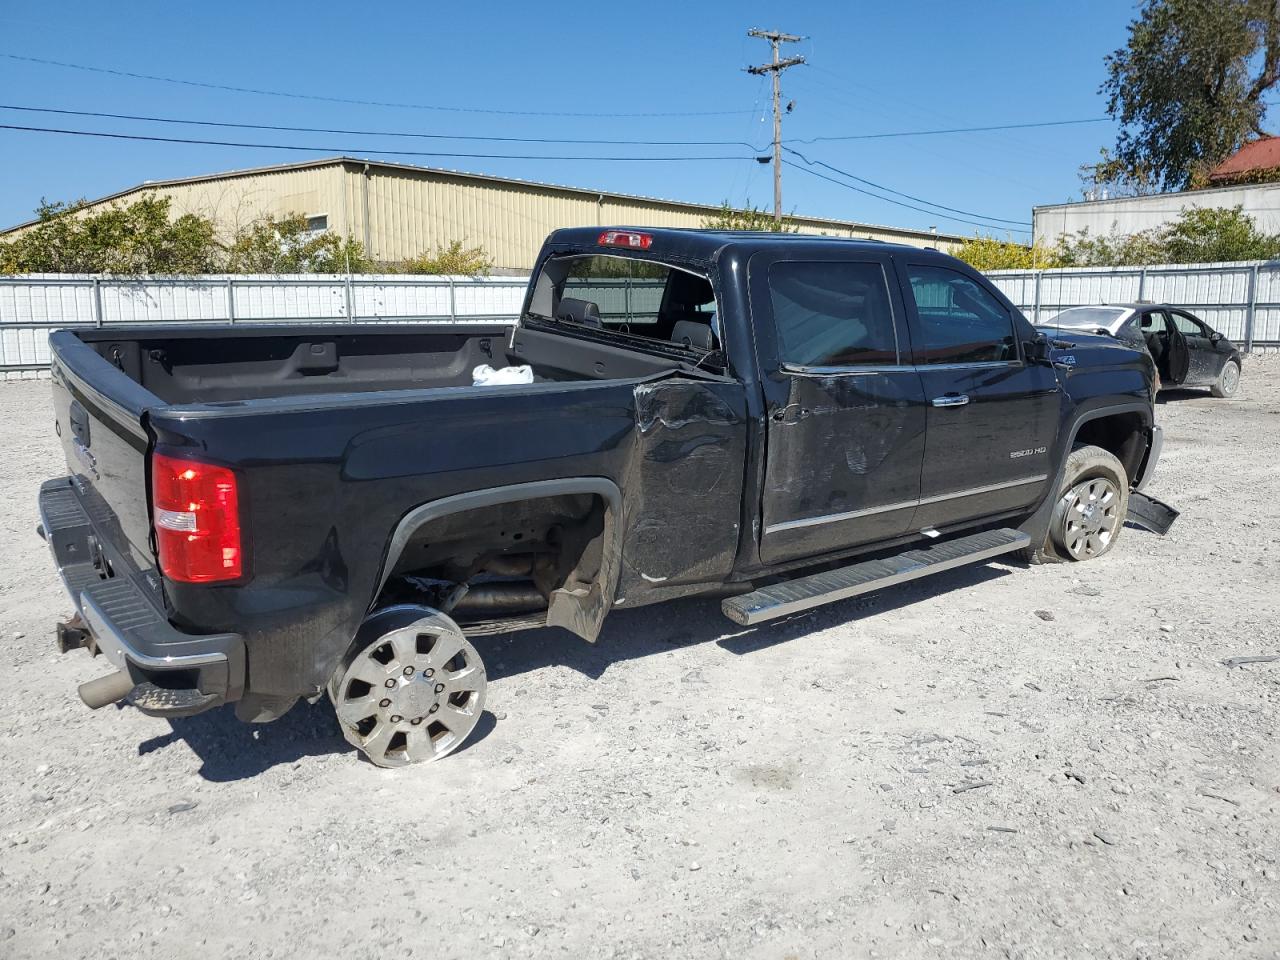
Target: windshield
629,297
1088,318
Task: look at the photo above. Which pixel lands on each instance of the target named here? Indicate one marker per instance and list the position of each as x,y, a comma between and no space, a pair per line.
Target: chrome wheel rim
411,695
1089,518
1230,378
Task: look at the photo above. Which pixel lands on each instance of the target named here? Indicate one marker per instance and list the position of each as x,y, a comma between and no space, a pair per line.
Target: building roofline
466,175
1152,196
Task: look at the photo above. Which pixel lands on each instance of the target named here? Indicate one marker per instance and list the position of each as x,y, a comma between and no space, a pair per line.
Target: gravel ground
999,762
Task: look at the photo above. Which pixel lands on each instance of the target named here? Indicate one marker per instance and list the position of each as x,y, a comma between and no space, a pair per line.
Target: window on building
318,223
960,322
832,314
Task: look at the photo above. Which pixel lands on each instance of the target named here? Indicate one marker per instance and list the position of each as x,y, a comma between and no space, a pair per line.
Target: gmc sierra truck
259,514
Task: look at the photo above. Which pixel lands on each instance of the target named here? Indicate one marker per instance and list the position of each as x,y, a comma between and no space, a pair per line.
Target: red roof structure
1253,157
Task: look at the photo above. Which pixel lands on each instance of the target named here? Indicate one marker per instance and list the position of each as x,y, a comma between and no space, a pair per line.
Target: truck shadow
647,631
230,750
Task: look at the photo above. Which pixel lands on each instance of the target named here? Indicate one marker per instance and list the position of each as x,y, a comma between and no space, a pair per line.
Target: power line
880,186
344,150
934,133
849,186
495,139
348,100
378,133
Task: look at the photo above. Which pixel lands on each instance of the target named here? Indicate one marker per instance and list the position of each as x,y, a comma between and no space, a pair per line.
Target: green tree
284,245
453,259
136,238
749,219
1187,87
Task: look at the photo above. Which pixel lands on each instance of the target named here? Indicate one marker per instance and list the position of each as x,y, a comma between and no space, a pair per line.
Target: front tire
1228,381
410,689
1089,512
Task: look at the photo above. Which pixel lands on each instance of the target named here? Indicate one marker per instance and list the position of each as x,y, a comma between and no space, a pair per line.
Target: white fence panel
1242,300
32,305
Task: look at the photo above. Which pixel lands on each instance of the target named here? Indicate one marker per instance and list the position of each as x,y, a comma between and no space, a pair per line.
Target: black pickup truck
261,514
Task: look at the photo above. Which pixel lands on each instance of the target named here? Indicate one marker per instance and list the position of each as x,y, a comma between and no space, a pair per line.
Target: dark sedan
1187,351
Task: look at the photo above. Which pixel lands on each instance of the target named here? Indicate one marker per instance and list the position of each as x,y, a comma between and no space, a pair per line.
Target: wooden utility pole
775,69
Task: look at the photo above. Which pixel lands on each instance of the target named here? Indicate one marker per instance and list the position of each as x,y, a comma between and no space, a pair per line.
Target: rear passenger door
845,426
991,416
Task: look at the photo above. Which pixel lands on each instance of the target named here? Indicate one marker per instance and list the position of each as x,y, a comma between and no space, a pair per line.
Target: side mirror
1215,337
1038,350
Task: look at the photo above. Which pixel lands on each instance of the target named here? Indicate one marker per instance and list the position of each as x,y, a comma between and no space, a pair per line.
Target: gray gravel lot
687,788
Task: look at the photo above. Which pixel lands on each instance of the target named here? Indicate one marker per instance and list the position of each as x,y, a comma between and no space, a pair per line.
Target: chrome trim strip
846,371
989,488
889,507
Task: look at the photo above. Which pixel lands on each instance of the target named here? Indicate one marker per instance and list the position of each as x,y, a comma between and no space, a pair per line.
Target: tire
1228,381
410,689
1089,511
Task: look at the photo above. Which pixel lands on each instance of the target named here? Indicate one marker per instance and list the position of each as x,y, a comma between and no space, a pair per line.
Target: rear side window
960,322
832,313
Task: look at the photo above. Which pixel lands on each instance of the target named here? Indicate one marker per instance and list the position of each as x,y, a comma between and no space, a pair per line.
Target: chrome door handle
950,400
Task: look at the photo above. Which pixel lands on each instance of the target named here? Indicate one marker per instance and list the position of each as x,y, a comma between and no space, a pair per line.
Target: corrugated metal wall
415,210
1240,300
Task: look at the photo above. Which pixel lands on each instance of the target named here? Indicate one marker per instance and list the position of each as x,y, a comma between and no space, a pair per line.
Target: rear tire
1089,511
1228,381
410,689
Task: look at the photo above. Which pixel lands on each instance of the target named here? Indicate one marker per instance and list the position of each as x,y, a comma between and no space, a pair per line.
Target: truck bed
235,364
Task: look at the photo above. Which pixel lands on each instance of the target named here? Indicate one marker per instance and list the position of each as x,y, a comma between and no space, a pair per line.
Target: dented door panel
683,483
843,462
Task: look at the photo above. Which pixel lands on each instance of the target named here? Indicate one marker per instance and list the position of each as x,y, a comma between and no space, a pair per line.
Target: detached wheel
1228,381
411,688
1090,510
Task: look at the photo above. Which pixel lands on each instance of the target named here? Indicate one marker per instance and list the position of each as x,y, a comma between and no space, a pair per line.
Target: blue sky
873,68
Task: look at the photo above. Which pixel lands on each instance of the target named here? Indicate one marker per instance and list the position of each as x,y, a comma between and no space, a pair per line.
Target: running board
782,599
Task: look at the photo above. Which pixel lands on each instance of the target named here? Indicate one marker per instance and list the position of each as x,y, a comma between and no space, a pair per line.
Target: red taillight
197,520
626,238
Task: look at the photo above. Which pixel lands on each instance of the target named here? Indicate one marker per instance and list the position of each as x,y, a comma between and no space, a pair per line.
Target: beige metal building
400,211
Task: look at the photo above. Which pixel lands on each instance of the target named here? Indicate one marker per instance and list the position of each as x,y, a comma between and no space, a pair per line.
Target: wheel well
519,550
1123,434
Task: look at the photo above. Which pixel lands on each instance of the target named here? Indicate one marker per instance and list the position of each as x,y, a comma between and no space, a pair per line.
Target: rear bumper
174,673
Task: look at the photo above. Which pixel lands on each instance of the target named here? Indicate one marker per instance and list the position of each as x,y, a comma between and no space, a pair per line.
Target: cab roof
700,244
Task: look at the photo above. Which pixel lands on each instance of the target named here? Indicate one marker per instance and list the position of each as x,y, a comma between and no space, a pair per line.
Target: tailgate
100,413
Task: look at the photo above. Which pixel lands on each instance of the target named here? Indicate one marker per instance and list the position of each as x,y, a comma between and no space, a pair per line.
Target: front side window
832,313
1187,326
960,322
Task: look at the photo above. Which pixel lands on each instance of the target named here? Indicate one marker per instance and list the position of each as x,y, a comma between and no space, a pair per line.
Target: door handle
790,413
950,400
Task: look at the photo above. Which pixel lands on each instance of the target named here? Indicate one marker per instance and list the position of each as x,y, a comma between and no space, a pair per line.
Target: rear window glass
1088,318
832,313
626,295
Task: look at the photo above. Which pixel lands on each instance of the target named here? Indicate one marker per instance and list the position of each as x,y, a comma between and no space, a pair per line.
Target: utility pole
775,69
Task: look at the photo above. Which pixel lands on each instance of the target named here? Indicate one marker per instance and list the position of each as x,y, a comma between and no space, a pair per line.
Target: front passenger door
1202,364
992,415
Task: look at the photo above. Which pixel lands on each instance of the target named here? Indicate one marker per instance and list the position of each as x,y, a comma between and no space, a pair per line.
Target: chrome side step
783,599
